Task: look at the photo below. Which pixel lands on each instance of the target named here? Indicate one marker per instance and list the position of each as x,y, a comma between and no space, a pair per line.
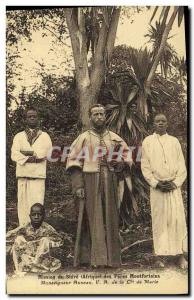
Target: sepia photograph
97,179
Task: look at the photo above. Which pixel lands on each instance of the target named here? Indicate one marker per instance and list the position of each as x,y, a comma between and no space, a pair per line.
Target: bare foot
182,263
159,264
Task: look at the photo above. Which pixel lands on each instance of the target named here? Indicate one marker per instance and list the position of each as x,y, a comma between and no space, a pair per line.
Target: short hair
30,108
38,205
93,106
160,114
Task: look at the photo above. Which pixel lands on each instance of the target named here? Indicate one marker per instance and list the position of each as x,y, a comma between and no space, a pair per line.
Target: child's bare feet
182,262
159,263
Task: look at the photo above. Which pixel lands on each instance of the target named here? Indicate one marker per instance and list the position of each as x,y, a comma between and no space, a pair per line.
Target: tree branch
54,34
47,19
112,31
160,50
104,46
78,41
44,19
134,244
100,48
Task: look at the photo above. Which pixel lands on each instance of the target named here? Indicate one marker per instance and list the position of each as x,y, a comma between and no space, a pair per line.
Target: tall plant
125,111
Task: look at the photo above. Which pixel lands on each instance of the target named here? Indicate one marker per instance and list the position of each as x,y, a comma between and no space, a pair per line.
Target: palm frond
154,13
129,123
141,62
180,15
112,119
132,94
111,106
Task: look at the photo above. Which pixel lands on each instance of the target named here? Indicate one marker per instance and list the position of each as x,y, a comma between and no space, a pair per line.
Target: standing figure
94,160
164,169
29,151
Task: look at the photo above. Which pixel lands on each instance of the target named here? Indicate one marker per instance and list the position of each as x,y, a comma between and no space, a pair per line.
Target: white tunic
162,159
41,147
31,176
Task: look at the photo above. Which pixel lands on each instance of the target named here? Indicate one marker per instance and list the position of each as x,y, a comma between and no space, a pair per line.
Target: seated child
30,245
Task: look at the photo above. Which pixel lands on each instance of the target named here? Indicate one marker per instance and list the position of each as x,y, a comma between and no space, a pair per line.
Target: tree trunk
142,105
89,84
86,99
160,50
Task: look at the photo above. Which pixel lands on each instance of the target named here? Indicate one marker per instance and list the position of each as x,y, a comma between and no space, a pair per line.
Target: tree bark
86,100
113,31
89,84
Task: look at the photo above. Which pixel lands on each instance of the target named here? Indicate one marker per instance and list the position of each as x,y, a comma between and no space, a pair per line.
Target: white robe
41,148
30,191
162,159
31,176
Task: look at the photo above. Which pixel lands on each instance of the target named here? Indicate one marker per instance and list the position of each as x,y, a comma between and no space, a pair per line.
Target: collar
32,135
92,131
160,136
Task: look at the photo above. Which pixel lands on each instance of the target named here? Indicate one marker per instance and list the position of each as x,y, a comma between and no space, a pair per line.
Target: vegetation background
135,82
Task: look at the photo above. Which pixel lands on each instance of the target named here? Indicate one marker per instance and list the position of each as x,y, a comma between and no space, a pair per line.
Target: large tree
95,27
92,31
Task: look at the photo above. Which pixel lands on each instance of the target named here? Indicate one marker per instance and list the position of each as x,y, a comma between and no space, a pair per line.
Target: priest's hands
80,193
118,166
166,186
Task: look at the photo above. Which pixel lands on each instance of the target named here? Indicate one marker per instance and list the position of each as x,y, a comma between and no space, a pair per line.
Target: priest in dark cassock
96,158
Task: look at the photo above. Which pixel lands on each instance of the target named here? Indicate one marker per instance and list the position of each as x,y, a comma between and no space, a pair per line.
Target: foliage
57,106
122,115
123,89
164,14
22,22
123,92
126,84
180,69
155,36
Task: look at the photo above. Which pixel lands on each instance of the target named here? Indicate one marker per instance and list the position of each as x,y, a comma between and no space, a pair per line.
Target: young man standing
29,151
164,169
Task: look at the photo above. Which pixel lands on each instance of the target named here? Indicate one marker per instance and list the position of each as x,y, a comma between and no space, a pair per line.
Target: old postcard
96,171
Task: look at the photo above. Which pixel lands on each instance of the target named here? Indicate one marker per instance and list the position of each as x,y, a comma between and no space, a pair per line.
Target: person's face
160,124
32,118
97,117
36,216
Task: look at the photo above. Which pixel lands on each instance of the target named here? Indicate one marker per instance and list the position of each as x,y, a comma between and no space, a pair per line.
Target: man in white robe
29,151
164,169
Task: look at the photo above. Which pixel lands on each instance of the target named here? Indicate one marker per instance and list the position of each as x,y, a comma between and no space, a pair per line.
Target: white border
2,103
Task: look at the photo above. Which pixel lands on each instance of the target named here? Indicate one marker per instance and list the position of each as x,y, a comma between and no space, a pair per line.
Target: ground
136,239
135,254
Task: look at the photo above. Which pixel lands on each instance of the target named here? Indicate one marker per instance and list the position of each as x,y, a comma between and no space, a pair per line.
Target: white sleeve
16,155
182,172
146,168
48,143
75,149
